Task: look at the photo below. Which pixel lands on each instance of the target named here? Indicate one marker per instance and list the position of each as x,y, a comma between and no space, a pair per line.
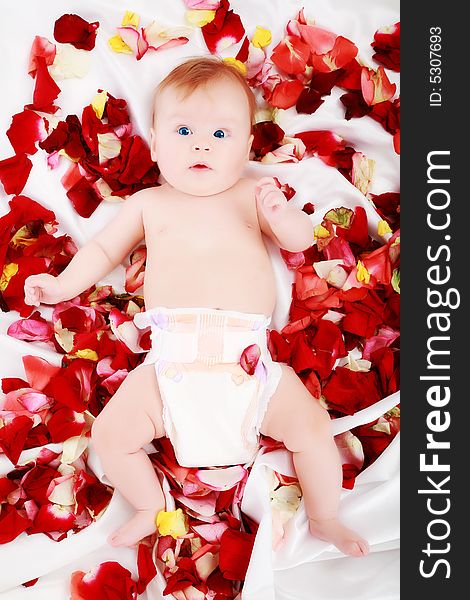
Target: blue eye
184,130
219,133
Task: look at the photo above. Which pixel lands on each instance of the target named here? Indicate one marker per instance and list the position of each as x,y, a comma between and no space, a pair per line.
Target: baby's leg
294,417
131,419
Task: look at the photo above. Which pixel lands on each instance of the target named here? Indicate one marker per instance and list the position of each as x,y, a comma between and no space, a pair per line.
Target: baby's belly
229,280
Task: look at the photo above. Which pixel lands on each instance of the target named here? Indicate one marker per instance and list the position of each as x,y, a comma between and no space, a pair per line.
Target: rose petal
291,55
221,479
14,173
13,437
25,130
224,30
286,94
376,86
72,29
12,523
42,47
45,90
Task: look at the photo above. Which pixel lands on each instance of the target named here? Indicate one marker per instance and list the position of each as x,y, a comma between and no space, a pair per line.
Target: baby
208,382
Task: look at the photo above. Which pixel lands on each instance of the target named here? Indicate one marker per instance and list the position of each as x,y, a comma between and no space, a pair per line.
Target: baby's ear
153,146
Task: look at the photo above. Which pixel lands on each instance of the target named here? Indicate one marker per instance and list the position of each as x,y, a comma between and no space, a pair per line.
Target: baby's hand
269,198
42,288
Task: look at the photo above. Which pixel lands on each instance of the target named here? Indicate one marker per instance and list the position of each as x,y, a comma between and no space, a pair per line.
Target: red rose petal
224,30
291,55
387,47
242,54
235,553
54,520
145,566
14,173
43,48
39,371
373,442
91,494
267,137
84,197
349,391
25,130
184,576
13,436
249,358
375,85
309,101
308,284
350,473
350,77
358,232
387,113
302,355
12,523
46,90
72,29
329,346
36,482
6,487
322,143
286,93
355,105
342,52
64,424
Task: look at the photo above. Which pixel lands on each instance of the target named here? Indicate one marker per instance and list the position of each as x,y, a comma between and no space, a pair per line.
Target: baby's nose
205,147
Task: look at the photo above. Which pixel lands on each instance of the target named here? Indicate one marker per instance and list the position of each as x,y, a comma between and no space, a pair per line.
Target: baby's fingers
266,180
272,200
265,183
32,293
32,289
31,299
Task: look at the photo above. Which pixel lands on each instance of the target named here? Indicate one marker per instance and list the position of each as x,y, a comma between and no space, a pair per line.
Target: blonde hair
197,72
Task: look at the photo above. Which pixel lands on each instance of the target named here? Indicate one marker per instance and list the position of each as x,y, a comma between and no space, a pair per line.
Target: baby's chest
200,229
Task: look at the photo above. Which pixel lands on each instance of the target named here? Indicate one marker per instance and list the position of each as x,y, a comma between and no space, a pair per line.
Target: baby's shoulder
151,198
247,186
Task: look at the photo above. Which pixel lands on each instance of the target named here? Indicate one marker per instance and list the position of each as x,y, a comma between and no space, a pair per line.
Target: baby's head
203,114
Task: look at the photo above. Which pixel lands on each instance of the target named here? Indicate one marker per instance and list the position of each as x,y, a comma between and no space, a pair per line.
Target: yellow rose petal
109,146
98,103
236,63
87,353
383,227
174,523
23,237
131,19
8,271
320,232
118,45
62,152
362,273
199,18
261,37
362,172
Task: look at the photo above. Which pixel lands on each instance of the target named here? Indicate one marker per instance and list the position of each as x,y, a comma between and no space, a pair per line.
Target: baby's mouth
200,167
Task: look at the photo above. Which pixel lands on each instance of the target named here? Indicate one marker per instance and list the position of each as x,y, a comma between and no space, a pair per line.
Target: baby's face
210,127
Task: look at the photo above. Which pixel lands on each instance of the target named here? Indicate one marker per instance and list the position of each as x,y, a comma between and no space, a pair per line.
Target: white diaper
212,409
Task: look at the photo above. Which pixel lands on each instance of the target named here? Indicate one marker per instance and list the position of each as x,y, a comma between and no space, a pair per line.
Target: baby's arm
289,227
95,259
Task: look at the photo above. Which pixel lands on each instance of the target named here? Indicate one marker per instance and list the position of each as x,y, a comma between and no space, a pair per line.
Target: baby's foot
346,540
141,525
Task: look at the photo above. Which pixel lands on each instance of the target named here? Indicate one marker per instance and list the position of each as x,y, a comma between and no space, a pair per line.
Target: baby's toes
358,548
364,547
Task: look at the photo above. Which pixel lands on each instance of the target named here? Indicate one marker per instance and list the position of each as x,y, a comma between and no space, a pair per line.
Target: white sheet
304,568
